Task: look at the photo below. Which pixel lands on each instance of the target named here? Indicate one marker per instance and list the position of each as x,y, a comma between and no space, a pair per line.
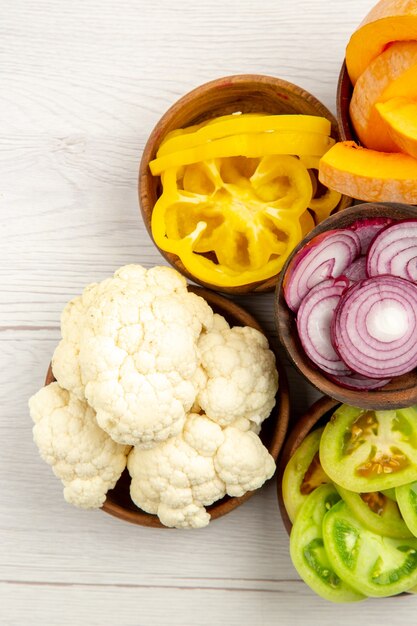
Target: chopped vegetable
308,552
313,323
236,194
355,290
81,454
177,478
249,224
376,512
369,175
139,358
367,451
253,145
406,496
303,474
374,327
376,565
357,382
326,256
356,270
359,538
368,228
238,124
394,251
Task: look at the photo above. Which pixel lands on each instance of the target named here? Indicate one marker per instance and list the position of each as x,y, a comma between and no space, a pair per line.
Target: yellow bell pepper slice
307,223
239,124
250,237
328,201
248,145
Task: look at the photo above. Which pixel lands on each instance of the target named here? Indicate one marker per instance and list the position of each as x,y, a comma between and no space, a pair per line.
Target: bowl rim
322,408
343,96
162,126
280,414
379,399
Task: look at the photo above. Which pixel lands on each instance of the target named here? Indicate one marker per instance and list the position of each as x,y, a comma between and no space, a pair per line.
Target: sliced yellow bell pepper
236,194
249,238
247,145
324,204
248,123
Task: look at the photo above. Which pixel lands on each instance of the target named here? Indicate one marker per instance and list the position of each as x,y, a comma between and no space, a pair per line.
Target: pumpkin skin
369,175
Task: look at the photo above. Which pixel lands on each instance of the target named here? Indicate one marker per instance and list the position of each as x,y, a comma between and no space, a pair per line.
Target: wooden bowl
274,429
317,415
248,93
402,390
343,97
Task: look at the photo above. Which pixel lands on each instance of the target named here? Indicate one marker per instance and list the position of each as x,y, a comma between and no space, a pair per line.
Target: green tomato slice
390,493
366,451
303,473
371,563
407,502
307,549
376,512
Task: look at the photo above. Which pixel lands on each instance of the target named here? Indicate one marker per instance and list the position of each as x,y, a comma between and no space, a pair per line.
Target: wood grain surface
82,84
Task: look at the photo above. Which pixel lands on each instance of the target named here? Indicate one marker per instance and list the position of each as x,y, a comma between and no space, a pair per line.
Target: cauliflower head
179,477
65,360
130,341
237,377
81,454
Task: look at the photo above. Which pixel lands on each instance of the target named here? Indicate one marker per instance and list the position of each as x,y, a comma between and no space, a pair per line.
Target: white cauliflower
144,362
65,360
237,377
133,339
179,477
83,456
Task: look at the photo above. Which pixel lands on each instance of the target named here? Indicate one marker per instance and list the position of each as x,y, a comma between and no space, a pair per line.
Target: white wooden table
82,84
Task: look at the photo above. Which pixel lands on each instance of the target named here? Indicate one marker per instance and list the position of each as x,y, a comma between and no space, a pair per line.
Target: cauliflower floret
136,353
65,361
241,379
243,462
179,477
219,323
83,456
174,480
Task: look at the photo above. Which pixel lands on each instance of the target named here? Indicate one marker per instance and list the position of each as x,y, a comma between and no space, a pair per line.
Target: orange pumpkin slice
388,21
400,115
393,73
369,175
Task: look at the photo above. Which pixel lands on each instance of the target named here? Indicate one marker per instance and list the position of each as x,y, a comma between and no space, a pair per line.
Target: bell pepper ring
323,205
248,145
237,124
236,194
250,237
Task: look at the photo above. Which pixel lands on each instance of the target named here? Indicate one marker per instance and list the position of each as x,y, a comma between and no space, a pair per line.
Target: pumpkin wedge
369,175
400,115
388,21
393,73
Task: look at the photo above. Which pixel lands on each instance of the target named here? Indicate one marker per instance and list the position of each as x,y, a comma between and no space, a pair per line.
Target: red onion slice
357,270
314,322
368,228
394,251
374,327
358,382
326,256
